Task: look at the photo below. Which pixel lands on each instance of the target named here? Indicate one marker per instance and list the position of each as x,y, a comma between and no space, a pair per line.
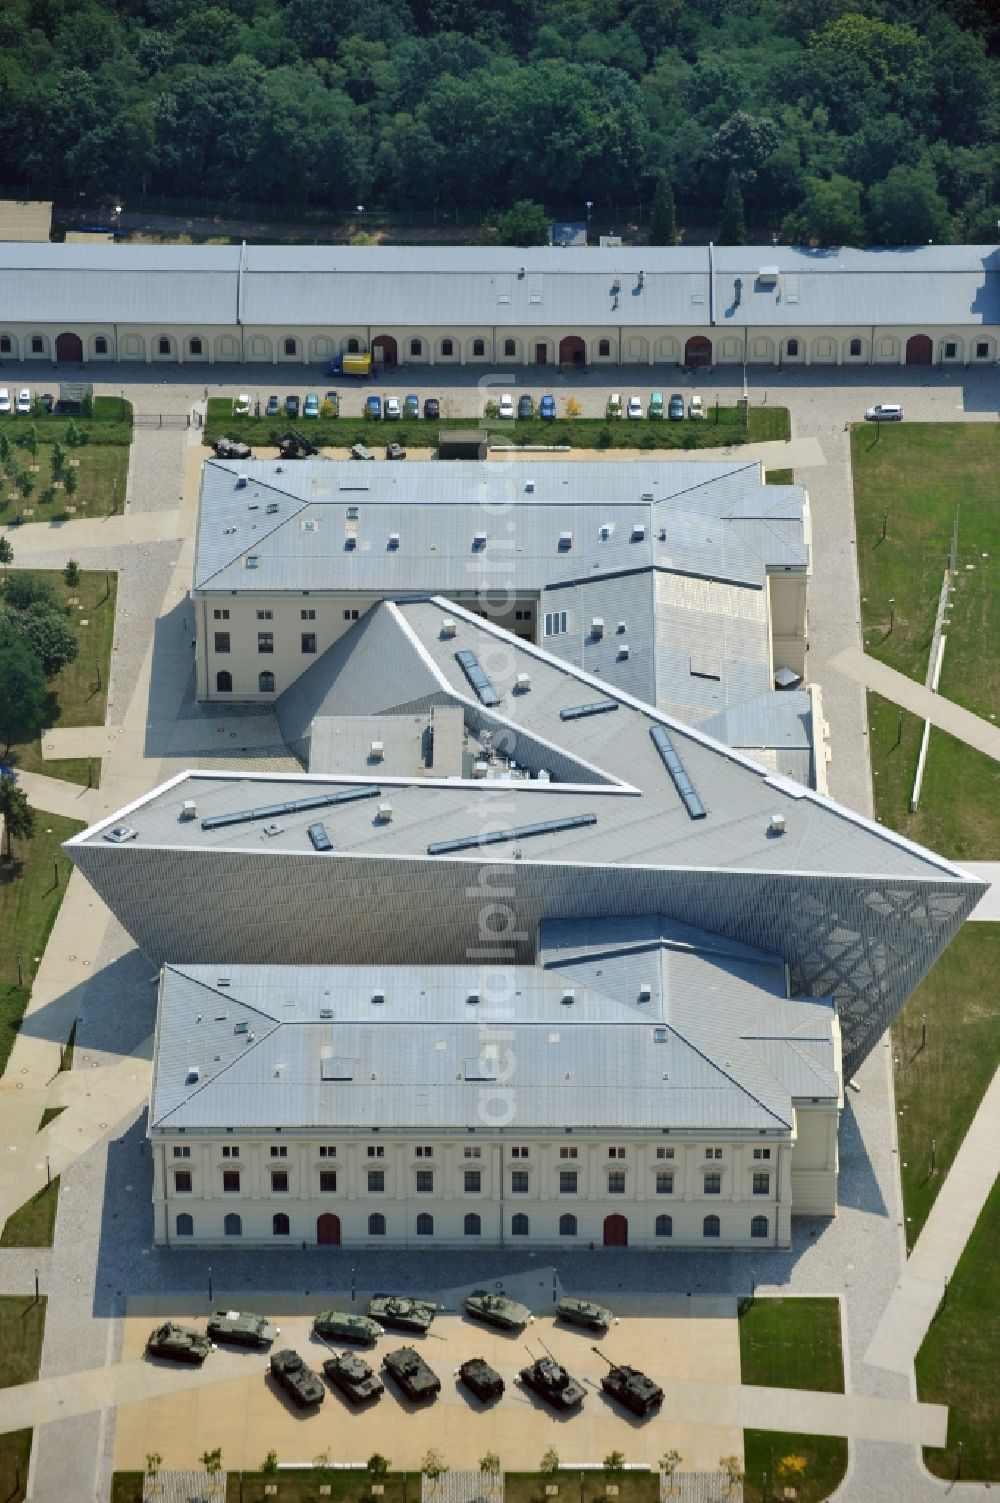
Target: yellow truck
349,365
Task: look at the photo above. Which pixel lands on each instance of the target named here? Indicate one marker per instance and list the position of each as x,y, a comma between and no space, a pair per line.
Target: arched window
509,347
425,1225
416,347
163,345
376,1224
855,346
265,683
792,347
100,345
5,344
479,347
185,1224
758,1226
519,1225
279,1225
447,346
37,344
224,682
710,1226
353,347
473,1225
291,346
194,346
567,1226
664,1226
604,347
233,1225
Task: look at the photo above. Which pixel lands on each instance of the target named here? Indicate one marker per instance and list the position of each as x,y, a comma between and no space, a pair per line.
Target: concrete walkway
944,713
987,910
953,1215
76,536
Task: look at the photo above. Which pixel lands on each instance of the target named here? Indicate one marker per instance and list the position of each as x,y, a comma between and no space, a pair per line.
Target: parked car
547,407
310,407
242,405
675,408
655,409
432,407
333,397
635,407
411,405
392,410
614,407
24,402
525,407
273,408
47,401
506,409
292,406
4,399
373,406
696,407
882,412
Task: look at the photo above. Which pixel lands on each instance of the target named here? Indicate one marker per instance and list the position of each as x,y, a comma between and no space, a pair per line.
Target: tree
433,1466
663,214
269,1466
71,573
614,1465
669,1462
733,230
72,435
18,816
58,461
154,1461
29,440
70,481
26,484
378,1466
490,1463
830,214
733,1468
525,224
742,142
23,590
907,209
549,1464
23,701
791,1468
6,553
46,633
212,1462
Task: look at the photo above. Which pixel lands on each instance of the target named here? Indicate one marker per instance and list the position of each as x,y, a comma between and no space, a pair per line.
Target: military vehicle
300,1383
630,1387
484,1381
231,448
497,1310
550,1380
352,1375
179,1343
395,451
361,451
241,1328
409,1370
341,1325
292,445
582,1312
401,1312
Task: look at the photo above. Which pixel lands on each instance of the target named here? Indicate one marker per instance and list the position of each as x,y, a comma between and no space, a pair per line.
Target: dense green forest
843,120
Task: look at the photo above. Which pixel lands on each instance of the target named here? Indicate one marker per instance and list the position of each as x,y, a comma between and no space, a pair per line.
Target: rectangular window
762,1153
279,1181
100,345
328,1153
164,346
761,1184
519,1182
567,1181
568,1153
664,1183
424,1153
308,641
328,1181
616,1182
231,1151
473,1181
664,1153
309,615
616,1153
447,347
231,1182
713,1184
556,623
222,641
265,641
376,1151
713,1153
352,615
982,350
519,1153
221,615
196,346
472,1153
182,1181
265,615
425,1181
182,1153
376,1181
416,347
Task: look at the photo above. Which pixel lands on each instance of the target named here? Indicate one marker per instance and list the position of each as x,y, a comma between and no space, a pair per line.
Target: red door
615,1231
919,350
387,344
572,350
328,1230
698,350
69,347
541,354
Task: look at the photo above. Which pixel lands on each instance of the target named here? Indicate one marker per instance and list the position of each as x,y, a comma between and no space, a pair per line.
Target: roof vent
473,999
565,540
352,513
480,769
568,997
479,540
529,485
394,540
645,991
597,627
378,998
377,751
660,1037
252,560
241,481
241,1027
663,534
620,627
448,627
383,814
605,531
523,682
642,279
647,496
638,531
777,824
326,1012
193,1074
351,542
189,809
271,508
768,275
623,651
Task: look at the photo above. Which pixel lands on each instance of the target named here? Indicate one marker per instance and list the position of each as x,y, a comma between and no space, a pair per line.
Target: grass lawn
940,1085
917,474
633,1487
29,902
49,1115
22,1325
957,1364
34,1224
79,694
303,1487
966,827
100,477
779,477
792,1343
766,423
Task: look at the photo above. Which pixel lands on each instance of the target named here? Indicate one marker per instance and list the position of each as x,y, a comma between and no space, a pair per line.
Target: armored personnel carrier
341,1325
583,1312
231,448
484,1381
241,1328
300,1383
497,1310
630,1387
409,1370
352,1375
550,1380
179,1343
401,1312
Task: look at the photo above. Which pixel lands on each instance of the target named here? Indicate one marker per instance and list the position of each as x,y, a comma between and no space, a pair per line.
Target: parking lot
667,1337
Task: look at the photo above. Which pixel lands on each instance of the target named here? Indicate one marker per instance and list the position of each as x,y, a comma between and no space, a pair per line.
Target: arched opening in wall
572,350
615,1231
223,682
698,351
69,347
919,350
384,349
328,1230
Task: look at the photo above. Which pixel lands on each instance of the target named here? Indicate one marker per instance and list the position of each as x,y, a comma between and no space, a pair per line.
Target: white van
884,412
614,407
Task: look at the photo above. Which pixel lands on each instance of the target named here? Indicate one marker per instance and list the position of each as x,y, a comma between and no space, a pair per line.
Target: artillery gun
630,1387
292,445
550,1380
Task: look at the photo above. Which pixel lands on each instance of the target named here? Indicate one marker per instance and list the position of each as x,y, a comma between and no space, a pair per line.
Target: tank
240,1328
550,1380
301,1384
630,1387
352,1375
401,1312
341,1325
409,1370
583,1312
179,1343
484,1381
497,1310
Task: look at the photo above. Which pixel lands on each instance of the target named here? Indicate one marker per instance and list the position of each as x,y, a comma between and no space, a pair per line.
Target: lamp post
892,612
590,209
361,216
